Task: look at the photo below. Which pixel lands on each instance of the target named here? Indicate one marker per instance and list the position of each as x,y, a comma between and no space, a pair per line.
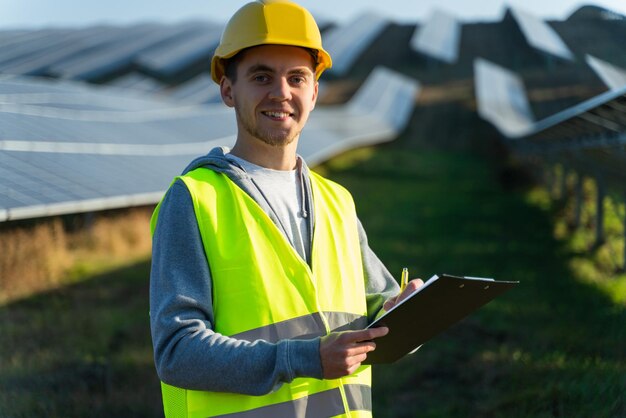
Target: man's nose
281,90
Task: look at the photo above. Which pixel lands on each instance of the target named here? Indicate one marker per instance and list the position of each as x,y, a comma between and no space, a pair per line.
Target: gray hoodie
187,352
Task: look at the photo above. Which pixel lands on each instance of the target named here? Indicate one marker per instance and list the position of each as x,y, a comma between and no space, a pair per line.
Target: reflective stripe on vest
308,326
321,404
262,289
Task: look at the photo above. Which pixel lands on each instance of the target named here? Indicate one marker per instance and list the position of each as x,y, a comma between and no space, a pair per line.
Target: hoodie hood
216,160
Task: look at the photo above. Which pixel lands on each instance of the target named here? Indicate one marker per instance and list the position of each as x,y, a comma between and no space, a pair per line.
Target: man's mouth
277,114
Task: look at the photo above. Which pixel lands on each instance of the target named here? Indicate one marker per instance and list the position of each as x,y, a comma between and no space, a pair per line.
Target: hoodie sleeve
187,352
380,285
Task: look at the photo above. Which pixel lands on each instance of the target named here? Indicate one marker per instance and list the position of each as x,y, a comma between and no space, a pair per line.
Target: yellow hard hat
263,22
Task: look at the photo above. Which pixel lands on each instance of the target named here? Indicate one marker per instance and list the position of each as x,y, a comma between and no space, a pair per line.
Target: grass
553,347
44,254
80,351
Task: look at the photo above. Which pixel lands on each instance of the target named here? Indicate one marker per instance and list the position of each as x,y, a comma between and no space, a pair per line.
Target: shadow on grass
81,351
552,347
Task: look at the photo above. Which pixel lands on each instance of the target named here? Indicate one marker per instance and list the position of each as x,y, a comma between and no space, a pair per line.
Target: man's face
274,93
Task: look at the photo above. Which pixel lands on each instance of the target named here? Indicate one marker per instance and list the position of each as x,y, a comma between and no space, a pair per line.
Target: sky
15,14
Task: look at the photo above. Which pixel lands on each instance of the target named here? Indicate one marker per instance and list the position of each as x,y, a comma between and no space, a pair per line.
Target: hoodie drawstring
303,202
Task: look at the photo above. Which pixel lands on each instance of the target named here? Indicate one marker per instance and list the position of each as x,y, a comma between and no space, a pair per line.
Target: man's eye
261,78
298,80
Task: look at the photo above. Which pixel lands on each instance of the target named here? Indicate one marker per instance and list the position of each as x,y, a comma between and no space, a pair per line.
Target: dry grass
44,254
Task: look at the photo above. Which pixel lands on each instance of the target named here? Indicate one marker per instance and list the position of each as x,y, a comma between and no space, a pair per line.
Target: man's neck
268,156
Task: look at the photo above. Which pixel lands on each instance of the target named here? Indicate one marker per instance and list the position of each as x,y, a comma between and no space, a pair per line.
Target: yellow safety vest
263,289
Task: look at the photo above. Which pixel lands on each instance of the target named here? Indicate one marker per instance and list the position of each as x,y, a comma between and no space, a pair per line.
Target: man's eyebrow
259,68
301,71
266,69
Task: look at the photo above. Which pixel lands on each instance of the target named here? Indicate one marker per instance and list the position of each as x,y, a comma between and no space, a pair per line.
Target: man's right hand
343,352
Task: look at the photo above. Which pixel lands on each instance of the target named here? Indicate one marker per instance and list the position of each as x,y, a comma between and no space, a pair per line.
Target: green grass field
553,347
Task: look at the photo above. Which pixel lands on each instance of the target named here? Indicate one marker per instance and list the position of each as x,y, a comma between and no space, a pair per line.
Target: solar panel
76,43
501,98
33,43
98,182
199,42
540,35
200,89
439,37
378,112
8,35
613,76
594,122
136,81
347,42
115,55
587,128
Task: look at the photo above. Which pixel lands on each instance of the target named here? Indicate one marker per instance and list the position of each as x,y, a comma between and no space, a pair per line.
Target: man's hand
411,287
343,352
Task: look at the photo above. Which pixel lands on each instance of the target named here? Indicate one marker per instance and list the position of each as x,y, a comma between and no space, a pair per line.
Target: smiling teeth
277,114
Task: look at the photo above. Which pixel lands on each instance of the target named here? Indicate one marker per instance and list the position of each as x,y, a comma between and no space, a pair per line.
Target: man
262,279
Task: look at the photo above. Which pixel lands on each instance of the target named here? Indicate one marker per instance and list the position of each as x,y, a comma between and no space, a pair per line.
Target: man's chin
278,140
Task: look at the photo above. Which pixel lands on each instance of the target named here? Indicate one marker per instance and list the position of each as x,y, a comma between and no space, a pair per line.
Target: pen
404,280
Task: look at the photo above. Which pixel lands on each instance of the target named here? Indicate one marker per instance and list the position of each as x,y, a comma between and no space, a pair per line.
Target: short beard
273,139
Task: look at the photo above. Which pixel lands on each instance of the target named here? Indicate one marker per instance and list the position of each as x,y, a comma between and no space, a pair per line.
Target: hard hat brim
218,63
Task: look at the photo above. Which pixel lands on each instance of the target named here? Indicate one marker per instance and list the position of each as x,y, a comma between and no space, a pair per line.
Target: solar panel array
67,147
589,137
501,99
144,57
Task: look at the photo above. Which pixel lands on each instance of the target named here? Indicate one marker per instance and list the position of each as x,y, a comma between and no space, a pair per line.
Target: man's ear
317,84
226,91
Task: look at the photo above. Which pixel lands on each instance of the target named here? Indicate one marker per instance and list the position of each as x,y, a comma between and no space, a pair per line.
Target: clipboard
440,303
